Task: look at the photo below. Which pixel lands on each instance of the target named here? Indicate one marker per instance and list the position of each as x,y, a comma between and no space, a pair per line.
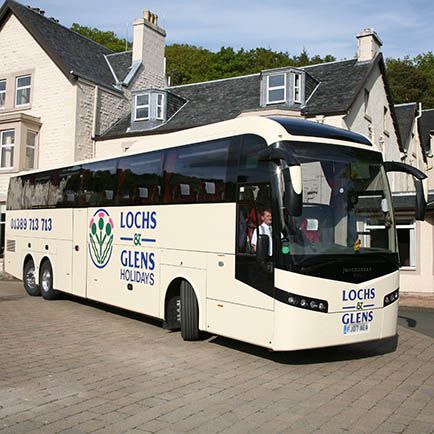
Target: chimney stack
369,44
149,45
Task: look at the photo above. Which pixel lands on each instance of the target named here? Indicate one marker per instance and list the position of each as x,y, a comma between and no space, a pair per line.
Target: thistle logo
101,238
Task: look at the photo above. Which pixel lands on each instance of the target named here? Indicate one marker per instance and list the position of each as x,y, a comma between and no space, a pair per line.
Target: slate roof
121,63
426,125
340,82
219,100
405,114
74,54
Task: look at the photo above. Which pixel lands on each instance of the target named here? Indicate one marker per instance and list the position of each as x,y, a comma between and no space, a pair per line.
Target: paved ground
421,321
74,368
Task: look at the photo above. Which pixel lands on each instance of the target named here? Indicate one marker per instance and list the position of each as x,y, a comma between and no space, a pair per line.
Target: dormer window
160,106
285,87
150,108
297,87
276,88
142,107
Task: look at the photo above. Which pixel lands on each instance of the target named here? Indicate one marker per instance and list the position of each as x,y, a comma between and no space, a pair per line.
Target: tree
412,79
108,39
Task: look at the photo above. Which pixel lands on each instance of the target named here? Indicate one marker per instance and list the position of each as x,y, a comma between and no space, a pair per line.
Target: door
79,252
254,218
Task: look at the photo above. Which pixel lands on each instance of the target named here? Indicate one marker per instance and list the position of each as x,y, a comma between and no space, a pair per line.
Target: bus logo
101,238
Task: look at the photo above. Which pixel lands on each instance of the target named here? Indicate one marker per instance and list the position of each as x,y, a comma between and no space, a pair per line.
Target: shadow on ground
322,355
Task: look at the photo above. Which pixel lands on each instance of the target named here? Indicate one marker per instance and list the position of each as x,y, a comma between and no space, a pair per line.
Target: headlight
390,298
306,303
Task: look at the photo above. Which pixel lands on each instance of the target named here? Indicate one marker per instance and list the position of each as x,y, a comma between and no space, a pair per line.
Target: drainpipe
94,119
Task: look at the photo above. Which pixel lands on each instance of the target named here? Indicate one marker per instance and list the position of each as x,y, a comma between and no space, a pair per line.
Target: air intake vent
10,245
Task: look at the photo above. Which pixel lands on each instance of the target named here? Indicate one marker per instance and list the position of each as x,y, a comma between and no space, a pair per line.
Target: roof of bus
272,129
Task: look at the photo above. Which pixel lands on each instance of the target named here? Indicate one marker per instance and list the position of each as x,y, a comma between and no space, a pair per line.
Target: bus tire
189,313
29,279
46,281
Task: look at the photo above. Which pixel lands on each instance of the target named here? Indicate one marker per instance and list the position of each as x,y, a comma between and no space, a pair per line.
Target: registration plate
358,327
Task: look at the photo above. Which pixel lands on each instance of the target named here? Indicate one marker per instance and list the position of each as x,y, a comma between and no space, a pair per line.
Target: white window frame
276,88
6,146
159,106
385,117
412,239
3,92
18,88
294,87
32,147
136,106
366,97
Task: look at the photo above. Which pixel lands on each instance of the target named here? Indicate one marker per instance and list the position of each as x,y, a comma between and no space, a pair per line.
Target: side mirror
293,197
420,200
262,248
419,177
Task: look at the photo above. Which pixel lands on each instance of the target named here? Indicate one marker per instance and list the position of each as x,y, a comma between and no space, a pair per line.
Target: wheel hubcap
46,280
30,278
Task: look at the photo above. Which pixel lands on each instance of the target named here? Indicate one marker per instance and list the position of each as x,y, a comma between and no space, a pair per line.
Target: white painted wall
421,279
53,96
372,124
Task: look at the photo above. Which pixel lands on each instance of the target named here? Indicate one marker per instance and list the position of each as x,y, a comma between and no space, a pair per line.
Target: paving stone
75,368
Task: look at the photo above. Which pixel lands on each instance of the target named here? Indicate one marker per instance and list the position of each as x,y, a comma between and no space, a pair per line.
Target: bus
274,231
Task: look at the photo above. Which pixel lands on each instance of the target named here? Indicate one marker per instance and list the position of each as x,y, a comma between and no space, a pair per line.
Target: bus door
254,219
79,254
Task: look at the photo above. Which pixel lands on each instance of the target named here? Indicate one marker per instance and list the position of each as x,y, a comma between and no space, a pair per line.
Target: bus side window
98,183
250,169
139,179
196,173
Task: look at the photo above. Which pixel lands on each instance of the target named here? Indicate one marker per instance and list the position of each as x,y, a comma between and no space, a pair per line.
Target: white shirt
263,229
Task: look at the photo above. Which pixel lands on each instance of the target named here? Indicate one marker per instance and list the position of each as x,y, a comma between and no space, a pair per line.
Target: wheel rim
46,280
30,278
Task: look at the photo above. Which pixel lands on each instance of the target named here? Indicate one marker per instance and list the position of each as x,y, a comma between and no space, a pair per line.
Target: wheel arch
174,288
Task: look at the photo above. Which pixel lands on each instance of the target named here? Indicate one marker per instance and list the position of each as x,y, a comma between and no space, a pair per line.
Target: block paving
74,367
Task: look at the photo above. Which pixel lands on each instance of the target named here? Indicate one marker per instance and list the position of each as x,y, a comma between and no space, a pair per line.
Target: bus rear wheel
189,313
29,279
46,281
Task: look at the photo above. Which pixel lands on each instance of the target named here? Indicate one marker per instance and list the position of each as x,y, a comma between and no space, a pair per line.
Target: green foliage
108,39
412,79
190,64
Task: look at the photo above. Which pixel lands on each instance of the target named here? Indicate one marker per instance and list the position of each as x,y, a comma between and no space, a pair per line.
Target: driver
264,229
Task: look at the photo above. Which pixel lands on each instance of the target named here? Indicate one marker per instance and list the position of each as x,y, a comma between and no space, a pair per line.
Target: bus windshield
347,207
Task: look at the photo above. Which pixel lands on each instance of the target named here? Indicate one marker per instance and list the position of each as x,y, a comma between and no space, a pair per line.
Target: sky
320,26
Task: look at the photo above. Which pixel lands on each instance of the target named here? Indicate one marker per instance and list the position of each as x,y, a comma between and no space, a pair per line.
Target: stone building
58,89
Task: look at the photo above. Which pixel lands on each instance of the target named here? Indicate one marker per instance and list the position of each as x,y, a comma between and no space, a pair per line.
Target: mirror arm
396,166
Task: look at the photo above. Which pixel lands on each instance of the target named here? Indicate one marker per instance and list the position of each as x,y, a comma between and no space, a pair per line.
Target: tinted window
98,183
250,168
196,173
139,179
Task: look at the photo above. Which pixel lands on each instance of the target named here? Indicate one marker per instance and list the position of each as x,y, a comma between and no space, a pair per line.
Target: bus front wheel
189,313
29,279
46,281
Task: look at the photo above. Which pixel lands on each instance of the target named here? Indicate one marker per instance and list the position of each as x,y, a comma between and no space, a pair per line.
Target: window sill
6,110
367,117
386,133
6,170
407,268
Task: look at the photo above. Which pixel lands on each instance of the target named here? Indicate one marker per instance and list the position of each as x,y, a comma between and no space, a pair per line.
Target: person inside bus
264,229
